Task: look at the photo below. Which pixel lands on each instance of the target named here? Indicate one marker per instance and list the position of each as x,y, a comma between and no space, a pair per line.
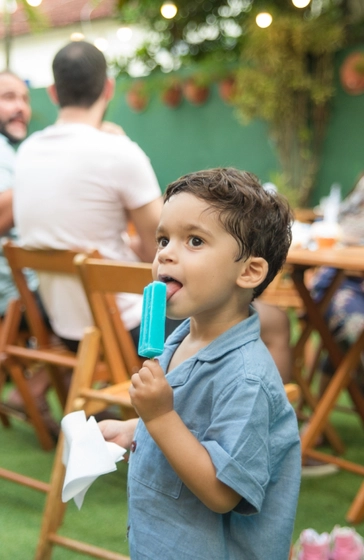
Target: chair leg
57,376
356,510
4,418
35,417
54,509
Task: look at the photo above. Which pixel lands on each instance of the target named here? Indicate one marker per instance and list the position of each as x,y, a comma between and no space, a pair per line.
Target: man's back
74,187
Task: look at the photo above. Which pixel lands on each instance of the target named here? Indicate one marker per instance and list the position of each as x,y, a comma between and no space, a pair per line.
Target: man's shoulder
34,136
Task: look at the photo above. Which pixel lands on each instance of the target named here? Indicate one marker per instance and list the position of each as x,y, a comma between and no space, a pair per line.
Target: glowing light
301,3
8,7
168,10
263,20
124,34
34,3
77,36
101,44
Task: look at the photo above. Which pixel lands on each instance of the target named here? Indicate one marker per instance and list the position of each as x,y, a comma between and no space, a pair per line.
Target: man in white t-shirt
77,187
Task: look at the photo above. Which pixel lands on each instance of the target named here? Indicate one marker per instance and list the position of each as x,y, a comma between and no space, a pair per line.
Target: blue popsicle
152,326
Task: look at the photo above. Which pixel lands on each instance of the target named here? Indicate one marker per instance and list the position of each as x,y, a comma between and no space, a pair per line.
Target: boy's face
196,258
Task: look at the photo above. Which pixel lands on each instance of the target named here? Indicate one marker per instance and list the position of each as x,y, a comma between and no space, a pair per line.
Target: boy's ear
253,272
52,93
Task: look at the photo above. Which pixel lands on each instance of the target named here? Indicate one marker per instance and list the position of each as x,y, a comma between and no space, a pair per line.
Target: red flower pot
352,73
227,89
137,98
195,93
172,96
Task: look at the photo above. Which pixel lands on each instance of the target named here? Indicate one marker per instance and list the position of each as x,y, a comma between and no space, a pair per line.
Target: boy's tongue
172,288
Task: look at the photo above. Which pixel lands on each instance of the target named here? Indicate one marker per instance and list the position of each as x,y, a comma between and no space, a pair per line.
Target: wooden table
344,260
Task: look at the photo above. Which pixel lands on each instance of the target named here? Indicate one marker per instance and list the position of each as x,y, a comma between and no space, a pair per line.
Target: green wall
190,138
343,154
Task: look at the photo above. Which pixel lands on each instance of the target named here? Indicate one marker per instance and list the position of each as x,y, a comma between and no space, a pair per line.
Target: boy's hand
119,432
150,393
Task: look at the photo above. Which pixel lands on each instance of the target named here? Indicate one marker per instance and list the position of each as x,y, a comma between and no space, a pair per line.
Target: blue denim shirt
231,397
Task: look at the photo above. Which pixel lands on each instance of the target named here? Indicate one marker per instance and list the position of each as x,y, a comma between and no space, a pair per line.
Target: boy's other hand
119,432
150,393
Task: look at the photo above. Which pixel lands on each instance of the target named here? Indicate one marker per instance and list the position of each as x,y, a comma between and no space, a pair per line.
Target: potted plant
227,88
196,90
137,96
352,73
171,94
286,79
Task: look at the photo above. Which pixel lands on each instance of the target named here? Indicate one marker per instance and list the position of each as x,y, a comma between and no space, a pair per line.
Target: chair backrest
48,260
102,280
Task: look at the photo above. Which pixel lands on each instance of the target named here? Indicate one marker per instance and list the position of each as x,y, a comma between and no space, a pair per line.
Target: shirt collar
4,139
237,336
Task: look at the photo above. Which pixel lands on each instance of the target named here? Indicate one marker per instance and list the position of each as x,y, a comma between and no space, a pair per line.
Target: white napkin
86,455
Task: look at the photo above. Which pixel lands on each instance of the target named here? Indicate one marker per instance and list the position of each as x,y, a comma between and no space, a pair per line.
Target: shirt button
133,446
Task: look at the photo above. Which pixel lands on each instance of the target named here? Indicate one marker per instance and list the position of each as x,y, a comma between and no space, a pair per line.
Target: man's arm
6,211
145,220
152,397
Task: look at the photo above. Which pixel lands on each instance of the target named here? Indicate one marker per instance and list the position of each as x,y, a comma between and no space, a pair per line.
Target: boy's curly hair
259,221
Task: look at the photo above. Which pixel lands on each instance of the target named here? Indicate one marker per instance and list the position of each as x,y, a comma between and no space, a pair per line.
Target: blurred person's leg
276,335
345,318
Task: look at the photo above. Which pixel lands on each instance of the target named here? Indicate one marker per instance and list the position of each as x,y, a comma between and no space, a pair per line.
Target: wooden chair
102,280
293,392
45,348
54,508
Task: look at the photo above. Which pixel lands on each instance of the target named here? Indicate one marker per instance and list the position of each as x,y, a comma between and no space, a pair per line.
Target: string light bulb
263,20
101,44
8,6
77,36
301,3
169,10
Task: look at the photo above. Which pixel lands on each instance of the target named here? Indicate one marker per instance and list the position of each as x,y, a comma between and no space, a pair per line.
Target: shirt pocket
149,467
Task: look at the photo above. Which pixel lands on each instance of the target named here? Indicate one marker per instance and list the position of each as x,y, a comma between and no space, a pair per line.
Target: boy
215,459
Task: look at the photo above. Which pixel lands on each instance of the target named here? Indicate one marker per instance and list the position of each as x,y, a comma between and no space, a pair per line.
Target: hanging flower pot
137,97
352,73
172,96
227,89
194,92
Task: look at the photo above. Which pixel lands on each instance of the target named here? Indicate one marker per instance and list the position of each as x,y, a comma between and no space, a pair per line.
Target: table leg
315,311
340,381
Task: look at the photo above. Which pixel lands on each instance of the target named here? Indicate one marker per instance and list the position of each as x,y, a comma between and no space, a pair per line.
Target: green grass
323,501
101,521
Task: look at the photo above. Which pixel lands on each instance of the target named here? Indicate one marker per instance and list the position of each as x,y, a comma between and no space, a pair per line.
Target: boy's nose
166,254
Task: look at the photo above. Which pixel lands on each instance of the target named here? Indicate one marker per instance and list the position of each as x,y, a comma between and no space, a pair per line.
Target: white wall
31,55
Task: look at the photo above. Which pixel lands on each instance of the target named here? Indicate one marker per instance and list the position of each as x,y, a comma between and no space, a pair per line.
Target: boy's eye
195,242
162,242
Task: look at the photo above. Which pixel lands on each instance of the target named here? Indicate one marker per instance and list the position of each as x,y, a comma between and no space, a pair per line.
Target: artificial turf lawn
323,501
